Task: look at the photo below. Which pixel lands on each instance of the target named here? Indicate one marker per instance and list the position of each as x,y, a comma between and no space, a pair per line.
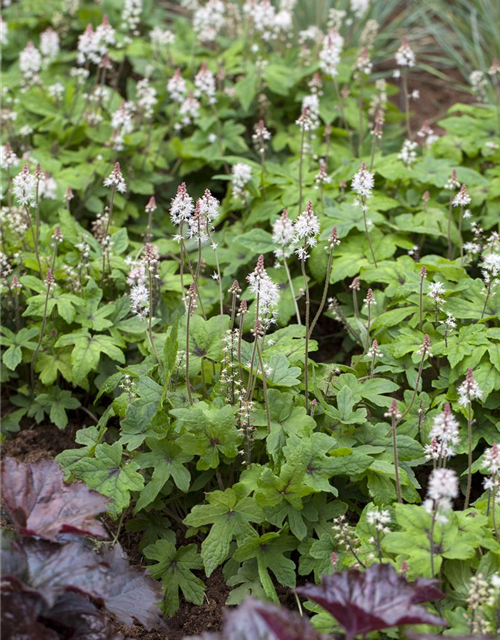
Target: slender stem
367,346
360,109
488,292
325,290
421,303
415,391
431,540
355,302
301,159
450,218
42,332
188,385
35,243
150,320
292,291
396,462
469,457
407,103
460,219
363,207
264,387
342,114
306,356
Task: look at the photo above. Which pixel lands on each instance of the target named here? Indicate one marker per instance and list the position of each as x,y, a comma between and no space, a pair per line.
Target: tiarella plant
268,299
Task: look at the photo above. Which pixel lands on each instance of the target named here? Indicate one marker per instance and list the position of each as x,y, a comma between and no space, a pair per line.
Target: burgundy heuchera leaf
375,599
51,569
254,620
131,594
42,504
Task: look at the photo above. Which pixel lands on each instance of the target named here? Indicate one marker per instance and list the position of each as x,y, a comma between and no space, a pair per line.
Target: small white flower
363,182
115,179
405,56
469,390
181,207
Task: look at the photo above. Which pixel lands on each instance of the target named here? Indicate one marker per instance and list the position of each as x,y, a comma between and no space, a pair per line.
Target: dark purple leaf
20,613
287,625
80,619
51,569
254,620
429,636
425,590
376,599
132,595
41,504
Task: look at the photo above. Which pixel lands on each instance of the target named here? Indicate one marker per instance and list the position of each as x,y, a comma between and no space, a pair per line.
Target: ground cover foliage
271,300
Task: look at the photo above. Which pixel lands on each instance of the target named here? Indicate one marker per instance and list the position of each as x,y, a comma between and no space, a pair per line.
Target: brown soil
41,442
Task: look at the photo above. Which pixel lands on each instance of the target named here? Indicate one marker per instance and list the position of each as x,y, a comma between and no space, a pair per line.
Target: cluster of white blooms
3,32
56,91
405,56
369,33
161,37
189,111
436,292
469,390
268,22
305,122
137,272
265,291
283,236
444,435
94,45
49,44
490,267
197,227
378,102
241,175
204,81
425,348
311,34
208,21
363,182
379,518
208,206
177,87
131,15
310,104
260,136
336,18
47,187
329,56
146,97
116,180
306,230
322,176
441,490
408,153
491,464
363,62
462,199
359,7
7,157
24,187
122,121
139,300
30,62
374,351
478,83
182,206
